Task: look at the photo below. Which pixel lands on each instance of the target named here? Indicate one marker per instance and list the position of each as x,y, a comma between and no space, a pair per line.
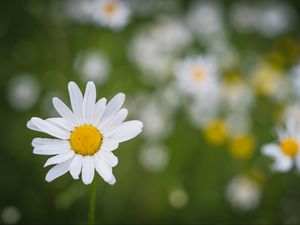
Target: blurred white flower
93,66
154,157
108,13
275,18
178,198
238,123
270,19
111,13
286,152
85,137
243,193
238,96
224,53
159,44
10,215
243,16
23,91
270,82
205,18
170,34
155,64
197,75
294,80
201,113
80,10
292,112
157,121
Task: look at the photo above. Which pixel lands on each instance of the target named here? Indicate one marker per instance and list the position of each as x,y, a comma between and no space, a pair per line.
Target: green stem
91,219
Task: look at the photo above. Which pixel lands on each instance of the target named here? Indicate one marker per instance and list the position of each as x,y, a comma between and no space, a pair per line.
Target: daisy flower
243,193
196,75
286,152
85,137
111,13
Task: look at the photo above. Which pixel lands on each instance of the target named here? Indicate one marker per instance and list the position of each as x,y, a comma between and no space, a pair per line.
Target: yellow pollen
289,146
198,74
110,8
86,140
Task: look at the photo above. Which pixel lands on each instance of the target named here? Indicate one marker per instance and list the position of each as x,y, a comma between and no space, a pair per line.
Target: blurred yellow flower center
198,74
242,146
86,140
110,8
216,132
289,146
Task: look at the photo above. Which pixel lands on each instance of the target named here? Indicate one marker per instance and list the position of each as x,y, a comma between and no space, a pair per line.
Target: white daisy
86,136
111,13
23,91
93,66
286,152
197,75
243,193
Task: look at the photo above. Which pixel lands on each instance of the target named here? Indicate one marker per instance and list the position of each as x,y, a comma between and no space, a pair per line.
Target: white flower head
154,157
23,91
286,152
178,198
111,13
205,19
243,193
93,66
86,136
275,18
197,75
10,215
160,124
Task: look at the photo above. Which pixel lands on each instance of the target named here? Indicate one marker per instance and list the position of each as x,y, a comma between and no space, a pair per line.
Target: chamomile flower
286,152
196,75
111,13
243,193
93,66
86,136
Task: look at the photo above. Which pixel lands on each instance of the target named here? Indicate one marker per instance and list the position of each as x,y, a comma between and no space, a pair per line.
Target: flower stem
91,219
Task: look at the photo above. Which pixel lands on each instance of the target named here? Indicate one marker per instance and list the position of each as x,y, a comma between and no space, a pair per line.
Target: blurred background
199,157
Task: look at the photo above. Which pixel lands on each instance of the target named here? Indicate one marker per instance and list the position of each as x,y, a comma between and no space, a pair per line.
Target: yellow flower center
110,8
241,147
198,74
216,132
86,140
289,146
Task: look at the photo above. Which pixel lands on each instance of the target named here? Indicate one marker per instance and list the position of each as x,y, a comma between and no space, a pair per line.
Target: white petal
58,171
99,111
113,107
76,99
282,164
271,150
112,181
60,158
49,128
102,168
61,122
31,126
88,170
46,141
126,131
88,104
52,147
64,111
108,157
75,167
114,121
109,144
